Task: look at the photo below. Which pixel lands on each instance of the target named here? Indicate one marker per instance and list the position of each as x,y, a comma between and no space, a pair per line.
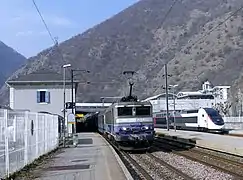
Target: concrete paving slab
225,143
92,159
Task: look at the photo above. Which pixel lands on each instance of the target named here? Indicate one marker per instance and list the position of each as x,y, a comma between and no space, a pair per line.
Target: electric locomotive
128,123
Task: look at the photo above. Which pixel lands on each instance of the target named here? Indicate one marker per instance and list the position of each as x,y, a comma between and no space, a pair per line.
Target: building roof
41,76
158,96
189,93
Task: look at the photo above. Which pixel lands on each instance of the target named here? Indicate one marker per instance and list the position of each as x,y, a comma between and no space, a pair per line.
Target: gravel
191,168
155,169
217,162
223,155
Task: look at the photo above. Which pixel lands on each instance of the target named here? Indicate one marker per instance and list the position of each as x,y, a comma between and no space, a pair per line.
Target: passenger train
202,119
128,124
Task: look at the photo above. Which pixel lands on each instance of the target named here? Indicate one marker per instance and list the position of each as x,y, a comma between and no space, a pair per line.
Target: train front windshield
124,111
215,116
143,111
138,111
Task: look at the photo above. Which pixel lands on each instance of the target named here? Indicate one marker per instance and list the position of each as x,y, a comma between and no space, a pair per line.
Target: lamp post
72,76
173,90
64,100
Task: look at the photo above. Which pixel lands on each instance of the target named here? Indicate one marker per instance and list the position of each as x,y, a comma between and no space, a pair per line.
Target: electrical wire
48,30
168,12
213,29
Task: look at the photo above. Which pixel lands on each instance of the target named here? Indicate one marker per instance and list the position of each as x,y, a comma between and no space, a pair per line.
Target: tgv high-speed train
128,124
202,119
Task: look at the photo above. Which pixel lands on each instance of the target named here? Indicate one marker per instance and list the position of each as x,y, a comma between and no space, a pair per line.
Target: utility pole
239,102
64,108
74,128
72,90
64,101
72,96
167,103
174,108
173,91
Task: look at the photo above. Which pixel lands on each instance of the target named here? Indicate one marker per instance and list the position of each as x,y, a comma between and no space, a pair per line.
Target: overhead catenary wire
213,29
48,30
55,41
168,12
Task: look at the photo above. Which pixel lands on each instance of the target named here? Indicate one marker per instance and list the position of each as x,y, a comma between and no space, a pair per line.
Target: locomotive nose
136,137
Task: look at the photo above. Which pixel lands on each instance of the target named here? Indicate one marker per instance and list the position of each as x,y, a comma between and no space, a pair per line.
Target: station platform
92,159
225,143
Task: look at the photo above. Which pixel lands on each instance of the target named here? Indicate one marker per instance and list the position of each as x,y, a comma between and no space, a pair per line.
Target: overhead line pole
64,102
72,94
72,91
173,90
167,103
174,108
64,108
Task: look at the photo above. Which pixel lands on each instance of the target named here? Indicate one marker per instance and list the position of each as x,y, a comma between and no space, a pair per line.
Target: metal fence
233,122
186,104
25,136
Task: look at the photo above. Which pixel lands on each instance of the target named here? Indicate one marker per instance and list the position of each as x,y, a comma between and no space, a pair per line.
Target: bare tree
223,108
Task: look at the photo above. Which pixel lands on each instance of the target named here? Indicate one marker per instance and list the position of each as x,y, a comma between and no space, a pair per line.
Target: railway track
158,168
217,160
148,166
178,165
136,170
173,169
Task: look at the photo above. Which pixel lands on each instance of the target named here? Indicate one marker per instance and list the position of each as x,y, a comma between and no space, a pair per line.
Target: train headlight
145,128
125,129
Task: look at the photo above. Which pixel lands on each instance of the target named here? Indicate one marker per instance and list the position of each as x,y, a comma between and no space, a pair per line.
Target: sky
22,29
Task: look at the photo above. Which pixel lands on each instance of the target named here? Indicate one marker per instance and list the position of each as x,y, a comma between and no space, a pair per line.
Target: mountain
139,39
10,62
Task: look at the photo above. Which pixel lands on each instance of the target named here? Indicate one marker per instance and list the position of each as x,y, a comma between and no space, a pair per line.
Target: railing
186,104
25,136
233,122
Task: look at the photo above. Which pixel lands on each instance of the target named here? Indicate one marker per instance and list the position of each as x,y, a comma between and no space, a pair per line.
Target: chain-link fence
25,136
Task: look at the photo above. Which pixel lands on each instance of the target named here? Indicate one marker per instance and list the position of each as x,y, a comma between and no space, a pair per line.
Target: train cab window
124,111
143,111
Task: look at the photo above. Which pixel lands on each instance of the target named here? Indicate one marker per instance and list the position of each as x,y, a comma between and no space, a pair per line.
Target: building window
43,96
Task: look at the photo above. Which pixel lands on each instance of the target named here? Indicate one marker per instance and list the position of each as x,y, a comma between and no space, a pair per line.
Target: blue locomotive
128,124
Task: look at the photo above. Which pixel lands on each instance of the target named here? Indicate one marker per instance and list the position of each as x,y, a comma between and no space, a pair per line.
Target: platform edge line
123,167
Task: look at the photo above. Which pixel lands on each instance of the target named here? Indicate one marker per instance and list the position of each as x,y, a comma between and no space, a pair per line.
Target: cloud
43,33
59,21
32,19
31,33
24,33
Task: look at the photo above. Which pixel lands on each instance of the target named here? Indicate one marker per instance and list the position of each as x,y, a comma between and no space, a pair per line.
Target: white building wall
25,97
225,93
11,97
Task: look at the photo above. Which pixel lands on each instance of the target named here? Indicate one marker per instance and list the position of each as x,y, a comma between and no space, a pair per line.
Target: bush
177,62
